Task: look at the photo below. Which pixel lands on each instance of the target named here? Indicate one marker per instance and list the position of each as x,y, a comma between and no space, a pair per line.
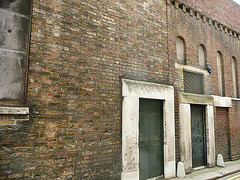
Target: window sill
12,115
236,98
14,110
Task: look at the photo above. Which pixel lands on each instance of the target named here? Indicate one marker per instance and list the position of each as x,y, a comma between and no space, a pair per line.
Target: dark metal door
150,138
198,130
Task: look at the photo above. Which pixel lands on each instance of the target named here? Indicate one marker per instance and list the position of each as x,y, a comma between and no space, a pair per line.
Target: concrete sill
14,110
13,115
236,99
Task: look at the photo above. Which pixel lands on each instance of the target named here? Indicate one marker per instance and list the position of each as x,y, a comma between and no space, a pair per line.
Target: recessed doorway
151,159
198,132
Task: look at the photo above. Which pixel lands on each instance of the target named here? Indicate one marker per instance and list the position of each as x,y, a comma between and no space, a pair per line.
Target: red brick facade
226,12
79,53
195,31
222,139
234,130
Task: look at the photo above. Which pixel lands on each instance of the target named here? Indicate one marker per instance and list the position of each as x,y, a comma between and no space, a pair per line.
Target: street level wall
197,28
79,53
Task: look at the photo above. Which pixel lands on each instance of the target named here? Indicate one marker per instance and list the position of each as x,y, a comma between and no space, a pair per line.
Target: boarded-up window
14,40
202,55
180,50
234,76
219,71
193,82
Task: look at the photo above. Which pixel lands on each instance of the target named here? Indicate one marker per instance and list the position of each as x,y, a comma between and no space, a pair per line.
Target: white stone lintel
222,101
132,88
188,98
190,68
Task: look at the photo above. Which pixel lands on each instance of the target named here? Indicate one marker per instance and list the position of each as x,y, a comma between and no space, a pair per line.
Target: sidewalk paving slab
213,173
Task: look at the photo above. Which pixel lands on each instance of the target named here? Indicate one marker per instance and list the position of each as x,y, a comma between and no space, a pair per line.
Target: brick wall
234,130
196,29
222,138
225,11
80,51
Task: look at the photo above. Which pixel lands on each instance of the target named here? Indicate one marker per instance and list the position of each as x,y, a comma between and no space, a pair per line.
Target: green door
150,138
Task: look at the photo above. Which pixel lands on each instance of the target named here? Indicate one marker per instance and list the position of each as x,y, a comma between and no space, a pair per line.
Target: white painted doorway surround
210,101
131,92
185,101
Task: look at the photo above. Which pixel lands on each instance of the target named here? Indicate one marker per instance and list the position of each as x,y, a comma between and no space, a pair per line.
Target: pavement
213,173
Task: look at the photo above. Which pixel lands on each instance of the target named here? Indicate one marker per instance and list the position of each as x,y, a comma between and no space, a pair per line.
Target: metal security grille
193,82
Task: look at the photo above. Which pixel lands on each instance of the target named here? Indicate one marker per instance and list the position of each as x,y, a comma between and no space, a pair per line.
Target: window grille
193,82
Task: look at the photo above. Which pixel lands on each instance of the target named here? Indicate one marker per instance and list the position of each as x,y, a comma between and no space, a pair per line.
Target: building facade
117,89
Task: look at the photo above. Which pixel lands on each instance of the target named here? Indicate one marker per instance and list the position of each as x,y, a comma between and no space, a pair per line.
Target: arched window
180,46
219,71
234,76
202,55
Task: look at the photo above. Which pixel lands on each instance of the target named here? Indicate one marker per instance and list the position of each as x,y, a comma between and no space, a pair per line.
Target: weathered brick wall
222,136
195,32
80,51
198,30
225,11
16,150
234,130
